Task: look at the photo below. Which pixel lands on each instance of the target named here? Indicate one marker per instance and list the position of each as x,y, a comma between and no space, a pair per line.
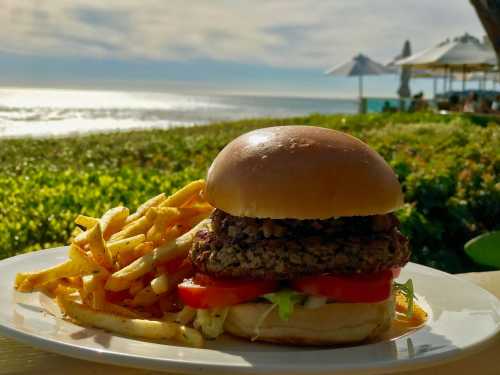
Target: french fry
144,248
142,328
68,291
166,282
184,195
74,234
201,206
79,264
89,284
160,284
110,222
49,288
86,221
124,258
190,222
130,243
177,218
139,226
135,287
146,297
120,280
153,202
98,247
98,299
172,233
148,329
139,249
72,281
117,284
190,336
93,291
116,309
165,216
113,220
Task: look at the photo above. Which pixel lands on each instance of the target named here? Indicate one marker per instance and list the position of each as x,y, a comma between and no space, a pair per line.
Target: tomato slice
396,271
351,288
204,291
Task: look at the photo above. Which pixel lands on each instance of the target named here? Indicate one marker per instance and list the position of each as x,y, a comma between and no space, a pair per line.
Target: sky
279,47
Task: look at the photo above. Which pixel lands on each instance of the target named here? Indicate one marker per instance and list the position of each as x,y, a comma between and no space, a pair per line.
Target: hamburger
303,245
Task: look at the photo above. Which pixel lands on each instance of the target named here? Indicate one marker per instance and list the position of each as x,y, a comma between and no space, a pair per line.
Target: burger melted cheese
303,245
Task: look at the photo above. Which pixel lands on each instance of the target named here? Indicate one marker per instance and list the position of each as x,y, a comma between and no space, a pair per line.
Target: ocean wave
100,99
36,112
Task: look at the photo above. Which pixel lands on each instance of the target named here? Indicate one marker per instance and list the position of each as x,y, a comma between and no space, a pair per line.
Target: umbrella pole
445,76
463,77
360,91
360,86
434,87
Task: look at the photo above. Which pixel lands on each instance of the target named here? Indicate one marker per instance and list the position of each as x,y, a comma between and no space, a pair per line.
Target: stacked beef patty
283,249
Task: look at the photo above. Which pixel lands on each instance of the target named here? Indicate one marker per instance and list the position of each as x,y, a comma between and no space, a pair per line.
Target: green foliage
485,249
448,166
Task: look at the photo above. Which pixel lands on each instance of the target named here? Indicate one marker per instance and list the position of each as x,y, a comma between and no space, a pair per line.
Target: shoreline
53,112
82,133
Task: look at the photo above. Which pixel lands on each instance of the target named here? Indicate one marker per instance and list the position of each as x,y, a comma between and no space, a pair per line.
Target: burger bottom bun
333,323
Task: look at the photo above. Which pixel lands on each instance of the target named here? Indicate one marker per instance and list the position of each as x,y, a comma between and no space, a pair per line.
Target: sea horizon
64,111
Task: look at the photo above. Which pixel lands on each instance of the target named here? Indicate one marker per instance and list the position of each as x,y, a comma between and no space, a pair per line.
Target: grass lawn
449,167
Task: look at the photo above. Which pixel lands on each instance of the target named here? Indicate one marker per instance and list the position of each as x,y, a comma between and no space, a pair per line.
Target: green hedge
449,167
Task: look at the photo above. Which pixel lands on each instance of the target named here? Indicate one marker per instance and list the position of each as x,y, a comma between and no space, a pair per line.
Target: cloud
291,33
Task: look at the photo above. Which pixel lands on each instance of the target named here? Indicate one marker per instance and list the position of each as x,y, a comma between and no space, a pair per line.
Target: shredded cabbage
315,302
211,321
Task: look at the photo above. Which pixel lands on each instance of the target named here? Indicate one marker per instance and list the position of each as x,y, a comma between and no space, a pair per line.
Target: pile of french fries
123,268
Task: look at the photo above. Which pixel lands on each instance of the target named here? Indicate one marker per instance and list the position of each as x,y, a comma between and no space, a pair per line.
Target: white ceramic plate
462,318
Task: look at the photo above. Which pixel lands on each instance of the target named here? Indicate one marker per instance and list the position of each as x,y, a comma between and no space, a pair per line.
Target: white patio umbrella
434,74
359,66
483,77
464,54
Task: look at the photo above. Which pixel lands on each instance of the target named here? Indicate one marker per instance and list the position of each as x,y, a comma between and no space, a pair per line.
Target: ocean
61,112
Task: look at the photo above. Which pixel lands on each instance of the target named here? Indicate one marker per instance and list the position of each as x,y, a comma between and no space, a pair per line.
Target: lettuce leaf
406,290
285,300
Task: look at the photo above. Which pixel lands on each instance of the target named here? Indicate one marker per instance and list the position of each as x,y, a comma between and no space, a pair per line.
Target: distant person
413,104
471,104
495,105
418,103
387,107
485,105
454,103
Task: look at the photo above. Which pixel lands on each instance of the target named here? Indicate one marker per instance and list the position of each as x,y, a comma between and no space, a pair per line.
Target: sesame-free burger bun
301,172
335,323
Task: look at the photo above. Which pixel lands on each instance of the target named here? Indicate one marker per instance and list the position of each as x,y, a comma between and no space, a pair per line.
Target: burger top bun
301,172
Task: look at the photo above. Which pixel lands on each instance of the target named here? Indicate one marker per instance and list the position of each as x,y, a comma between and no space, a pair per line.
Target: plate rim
112,357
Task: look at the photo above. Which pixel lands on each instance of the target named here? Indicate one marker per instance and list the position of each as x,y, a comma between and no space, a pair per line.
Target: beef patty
284,249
